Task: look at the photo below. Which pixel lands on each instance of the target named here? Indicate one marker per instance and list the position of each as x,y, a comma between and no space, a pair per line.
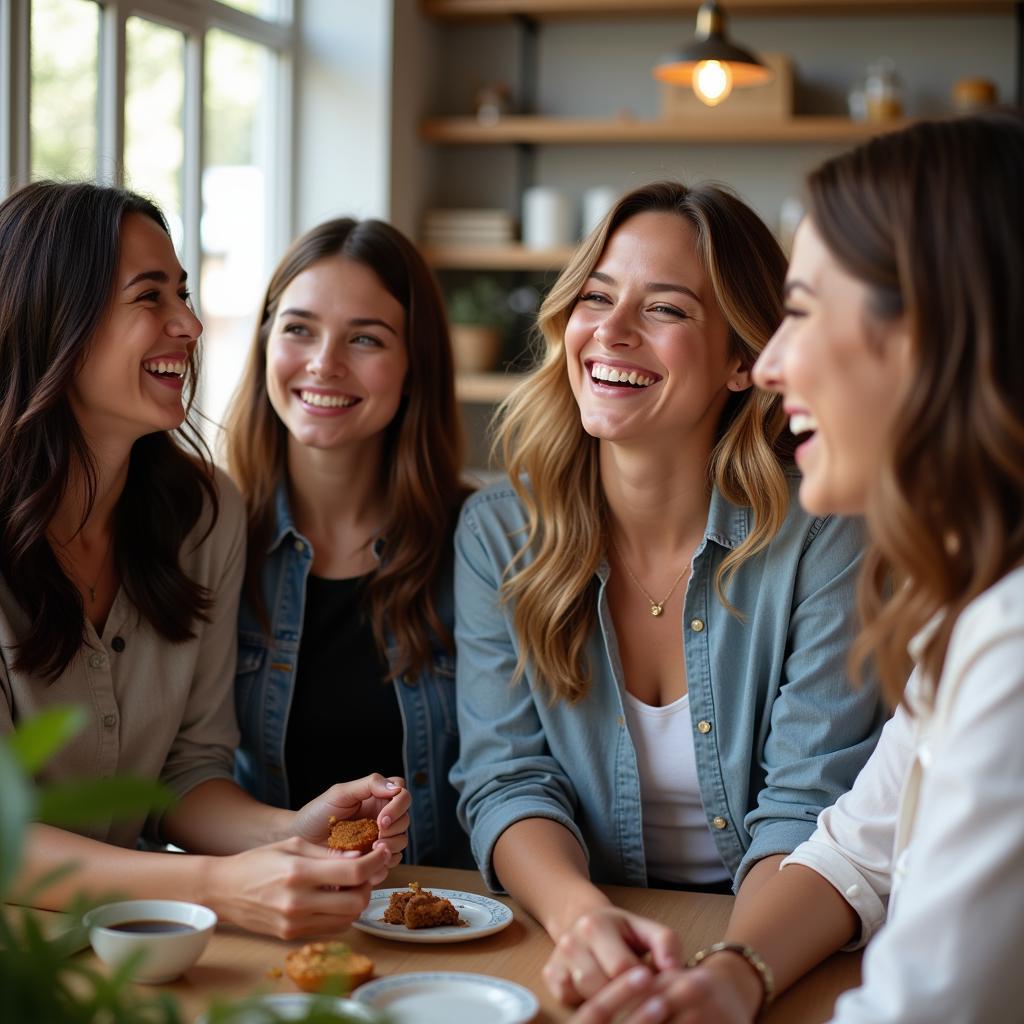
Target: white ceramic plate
449,997
483,916
294,1005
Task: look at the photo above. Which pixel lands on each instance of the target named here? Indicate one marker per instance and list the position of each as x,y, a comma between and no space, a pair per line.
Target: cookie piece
420,908
358,834
318,963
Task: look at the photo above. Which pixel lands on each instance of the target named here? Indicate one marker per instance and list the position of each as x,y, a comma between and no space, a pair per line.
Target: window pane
261,8
64,60
154,135
233,235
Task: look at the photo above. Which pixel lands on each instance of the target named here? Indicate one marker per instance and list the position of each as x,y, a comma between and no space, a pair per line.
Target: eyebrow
154,275
795,283
364,321
652,286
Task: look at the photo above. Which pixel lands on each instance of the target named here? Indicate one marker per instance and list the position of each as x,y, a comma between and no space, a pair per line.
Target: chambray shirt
779,732
265,682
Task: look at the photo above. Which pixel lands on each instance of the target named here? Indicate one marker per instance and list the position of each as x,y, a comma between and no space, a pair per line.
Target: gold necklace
657,607
92,587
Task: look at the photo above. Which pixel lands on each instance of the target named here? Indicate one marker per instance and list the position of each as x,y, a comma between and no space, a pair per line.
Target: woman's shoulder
496,502
995,614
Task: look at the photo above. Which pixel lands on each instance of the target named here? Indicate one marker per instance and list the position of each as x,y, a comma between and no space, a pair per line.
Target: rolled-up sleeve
822,729
505,772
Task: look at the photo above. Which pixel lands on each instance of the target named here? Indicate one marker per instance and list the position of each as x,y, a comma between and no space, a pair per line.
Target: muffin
317,964
358,834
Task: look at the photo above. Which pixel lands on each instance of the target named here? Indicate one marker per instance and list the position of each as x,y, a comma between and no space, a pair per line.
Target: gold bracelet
763,971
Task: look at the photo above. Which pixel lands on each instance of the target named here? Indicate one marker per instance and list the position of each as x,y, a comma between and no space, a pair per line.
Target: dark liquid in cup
152,927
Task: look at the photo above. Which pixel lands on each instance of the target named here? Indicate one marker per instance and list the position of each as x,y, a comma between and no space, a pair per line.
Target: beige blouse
153,709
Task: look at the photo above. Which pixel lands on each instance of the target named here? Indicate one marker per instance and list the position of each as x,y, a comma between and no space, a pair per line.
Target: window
180,100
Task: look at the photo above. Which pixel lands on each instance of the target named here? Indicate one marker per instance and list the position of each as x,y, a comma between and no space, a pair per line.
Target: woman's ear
739,379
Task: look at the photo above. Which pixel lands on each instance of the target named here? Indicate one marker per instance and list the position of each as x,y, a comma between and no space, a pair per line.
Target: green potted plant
479,315
41,979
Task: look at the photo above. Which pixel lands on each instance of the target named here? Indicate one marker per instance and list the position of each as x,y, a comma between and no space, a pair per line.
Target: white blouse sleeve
853,843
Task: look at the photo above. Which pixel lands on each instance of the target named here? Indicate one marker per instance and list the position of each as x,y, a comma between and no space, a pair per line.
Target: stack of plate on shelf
468,228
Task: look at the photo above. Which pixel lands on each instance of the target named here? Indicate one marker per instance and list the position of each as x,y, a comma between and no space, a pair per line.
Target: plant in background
41,982
480,316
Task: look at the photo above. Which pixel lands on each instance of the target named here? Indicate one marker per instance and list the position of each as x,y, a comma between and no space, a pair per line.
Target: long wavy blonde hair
553,463
422,451
931,219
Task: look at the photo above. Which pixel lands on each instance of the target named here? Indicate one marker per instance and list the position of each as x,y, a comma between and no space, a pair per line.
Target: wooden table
237,963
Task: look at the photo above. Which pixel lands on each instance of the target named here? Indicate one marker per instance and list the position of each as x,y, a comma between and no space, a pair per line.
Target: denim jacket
779,732
265,681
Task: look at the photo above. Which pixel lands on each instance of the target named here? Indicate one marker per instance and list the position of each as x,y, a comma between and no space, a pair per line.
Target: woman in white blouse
901,362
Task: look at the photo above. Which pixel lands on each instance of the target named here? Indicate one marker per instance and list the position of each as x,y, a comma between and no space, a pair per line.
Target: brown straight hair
59,249
422,449
553,463
932,220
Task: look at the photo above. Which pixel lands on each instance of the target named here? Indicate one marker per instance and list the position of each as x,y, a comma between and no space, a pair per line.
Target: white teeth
164,366
802,423
326,401
600,371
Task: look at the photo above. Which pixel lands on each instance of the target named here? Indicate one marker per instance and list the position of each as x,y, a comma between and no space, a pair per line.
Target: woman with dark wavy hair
121,558
901,364
345,440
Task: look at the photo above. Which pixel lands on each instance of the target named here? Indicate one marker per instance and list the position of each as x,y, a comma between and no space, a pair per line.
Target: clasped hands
619,966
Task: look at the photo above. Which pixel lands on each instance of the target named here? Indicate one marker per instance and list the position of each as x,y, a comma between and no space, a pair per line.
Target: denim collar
284,525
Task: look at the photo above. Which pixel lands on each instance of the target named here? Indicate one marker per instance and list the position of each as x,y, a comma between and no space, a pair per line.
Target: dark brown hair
59,249
422,454
566,510
932,220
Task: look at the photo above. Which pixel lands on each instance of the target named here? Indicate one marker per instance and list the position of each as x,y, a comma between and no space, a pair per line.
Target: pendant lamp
711,64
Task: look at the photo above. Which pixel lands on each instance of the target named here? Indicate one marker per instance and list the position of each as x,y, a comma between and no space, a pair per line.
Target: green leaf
15,814
36,740
80,803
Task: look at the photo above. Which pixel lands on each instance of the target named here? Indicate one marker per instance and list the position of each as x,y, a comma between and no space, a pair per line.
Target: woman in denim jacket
651,633
344,440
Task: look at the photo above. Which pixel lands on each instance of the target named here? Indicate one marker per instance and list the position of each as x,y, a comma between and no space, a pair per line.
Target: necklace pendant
657,609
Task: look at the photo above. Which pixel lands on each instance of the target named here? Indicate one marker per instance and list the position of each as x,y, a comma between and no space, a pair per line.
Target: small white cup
596,203
165,954
546,218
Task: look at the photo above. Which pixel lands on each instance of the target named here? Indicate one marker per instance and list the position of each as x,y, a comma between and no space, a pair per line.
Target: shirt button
409,679
853,891
117,644
97,661
697,625
719,822
299,546
110,721
924,755
420,779
704,726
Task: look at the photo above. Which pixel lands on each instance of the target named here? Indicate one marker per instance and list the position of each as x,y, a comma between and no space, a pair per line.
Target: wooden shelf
476,9
495,257
485,388
578,131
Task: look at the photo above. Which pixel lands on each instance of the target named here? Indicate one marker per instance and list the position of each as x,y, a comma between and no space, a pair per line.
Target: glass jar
883,91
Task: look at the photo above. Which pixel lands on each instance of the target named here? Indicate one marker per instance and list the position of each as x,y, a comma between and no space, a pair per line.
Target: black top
344,721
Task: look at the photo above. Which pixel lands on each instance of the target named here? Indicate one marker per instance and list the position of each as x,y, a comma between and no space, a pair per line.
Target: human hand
602,944
386,801
701,995
293,888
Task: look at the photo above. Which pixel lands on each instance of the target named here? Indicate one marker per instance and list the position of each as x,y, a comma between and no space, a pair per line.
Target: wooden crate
774,100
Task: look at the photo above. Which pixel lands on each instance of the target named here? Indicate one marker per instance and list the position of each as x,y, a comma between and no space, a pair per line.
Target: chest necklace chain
657,607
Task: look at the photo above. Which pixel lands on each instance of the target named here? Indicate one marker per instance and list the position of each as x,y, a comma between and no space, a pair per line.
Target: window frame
193,18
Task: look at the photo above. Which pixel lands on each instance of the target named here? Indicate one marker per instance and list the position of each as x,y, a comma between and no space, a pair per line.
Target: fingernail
654,1009
637,977
391,785
385,821
351,854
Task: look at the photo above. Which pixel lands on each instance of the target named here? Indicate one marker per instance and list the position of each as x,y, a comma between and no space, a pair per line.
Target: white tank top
678,845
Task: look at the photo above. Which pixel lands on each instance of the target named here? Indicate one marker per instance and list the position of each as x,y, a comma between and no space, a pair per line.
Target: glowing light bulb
712,82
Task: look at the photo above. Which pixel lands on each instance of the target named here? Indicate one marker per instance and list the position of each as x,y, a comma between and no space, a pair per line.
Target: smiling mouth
622,378
165,369
802,426
319,401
